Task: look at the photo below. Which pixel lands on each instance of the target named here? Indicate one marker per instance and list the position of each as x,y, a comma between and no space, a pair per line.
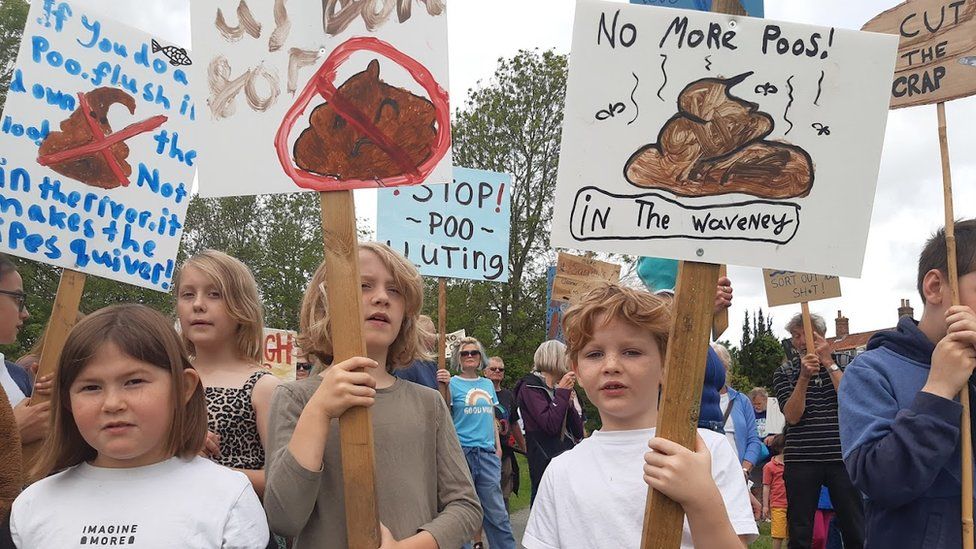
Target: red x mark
102,141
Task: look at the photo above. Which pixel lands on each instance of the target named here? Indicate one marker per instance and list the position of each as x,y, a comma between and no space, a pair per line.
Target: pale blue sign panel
458,230
753,7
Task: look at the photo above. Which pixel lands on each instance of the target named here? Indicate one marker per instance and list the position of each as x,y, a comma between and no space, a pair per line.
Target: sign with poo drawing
721,139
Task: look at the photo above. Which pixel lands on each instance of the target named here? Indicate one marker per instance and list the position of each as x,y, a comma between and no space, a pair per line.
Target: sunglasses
495,369
465,354
304,366
19,297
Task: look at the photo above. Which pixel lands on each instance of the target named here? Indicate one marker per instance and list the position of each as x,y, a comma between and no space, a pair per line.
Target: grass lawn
521,501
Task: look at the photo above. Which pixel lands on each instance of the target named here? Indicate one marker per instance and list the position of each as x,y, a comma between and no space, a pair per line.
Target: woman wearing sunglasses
16,419
549,409
473,401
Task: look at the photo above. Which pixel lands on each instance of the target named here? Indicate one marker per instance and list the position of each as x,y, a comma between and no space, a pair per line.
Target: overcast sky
908,204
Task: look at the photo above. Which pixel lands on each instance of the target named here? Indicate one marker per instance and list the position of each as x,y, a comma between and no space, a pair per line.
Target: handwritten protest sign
754,8
452,341
577,275
96,150
459,230
936,53
322,95
743,142
282,353
789,287
554,309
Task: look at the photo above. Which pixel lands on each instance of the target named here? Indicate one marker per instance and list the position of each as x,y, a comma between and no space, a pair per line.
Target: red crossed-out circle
101,142
322,83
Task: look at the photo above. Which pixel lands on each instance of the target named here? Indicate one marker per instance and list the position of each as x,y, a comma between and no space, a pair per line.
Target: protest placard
576,275
457,230
97,152
644,168
451,342
753,8
790,287
320,95
936,52
282,353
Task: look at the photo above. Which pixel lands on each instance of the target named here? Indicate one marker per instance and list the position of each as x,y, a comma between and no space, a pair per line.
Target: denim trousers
486,472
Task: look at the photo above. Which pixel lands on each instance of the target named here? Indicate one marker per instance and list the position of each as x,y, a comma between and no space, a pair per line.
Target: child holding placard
222,322
616,339
424,491
899,417
128,420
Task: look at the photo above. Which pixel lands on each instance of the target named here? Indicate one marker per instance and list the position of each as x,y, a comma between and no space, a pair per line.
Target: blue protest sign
754,8
97,153
554,310
458,230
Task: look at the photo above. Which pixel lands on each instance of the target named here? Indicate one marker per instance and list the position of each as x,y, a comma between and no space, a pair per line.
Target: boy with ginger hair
593,495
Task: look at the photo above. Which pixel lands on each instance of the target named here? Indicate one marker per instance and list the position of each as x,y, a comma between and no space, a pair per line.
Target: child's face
123,408
383,303
620,370
202,311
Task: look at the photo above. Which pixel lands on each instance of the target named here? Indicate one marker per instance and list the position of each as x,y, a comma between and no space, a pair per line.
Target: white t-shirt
174,503
14,394
603,477
723,402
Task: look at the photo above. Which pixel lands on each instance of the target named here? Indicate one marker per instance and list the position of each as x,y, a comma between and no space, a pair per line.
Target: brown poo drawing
715,145
332,146
76,131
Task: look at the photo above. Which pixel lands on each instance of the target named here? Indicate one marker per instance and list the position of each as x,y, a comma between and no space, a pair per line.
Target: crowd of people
161,436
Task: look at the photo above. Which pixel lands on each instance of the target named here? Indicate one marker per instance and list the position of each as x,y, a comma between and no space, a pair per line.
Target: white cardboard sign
721,139
321,95
97,150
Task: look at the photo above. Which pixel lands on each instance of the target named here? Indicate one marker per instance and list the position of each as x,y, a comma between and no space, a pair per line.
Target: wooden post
966,427
442,335
677,419
720,322
681,399
344,297
64,313
807,330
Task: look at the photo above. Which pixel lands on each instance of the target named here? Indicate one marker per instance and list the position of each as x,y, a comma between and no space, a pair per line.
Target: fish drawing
177,56
970,60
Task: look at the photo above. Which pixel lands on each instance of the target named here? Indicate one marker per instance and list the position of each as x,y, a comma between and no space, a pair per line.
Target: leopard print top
231,415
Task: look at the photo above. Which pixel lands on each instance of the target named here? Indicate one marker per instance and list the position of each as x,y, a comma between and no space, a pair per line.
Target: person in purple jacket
550,411
899,411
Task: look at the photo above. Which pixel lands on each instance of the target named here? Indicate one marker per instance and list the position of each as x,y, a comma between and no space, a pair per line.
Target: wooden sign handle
966,426
720,322
677,419
442,336
64,314
807,329
344,298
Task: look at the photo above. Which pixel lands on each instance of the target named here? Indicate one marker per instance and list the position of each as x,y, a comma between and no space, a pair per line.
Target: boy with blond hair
616,341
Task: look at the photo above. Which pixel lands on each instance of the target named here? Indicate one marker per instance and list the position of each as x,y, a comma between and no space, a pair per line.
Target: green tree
760,353
13,16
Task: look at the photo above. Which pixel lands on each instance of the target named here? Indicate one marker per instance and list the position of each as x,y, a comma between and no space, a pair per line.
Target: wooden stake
344,298
731,7
807,329
720,322
442,335
966,427
681,398
64,314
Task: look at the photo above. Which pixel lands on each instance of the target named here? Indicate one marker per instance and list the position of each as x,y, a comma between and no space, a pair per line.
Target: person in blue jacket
899,417
740,418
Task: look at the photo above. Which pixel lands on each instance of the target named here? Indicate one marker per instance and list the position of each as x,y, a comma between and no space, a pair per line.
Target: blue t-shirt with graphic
473,404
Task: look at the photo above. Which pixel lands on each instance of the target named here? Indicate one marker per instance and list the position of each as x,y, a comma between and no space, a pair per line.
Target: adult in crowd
13,313
508,428
710,412
739,417
423,371
806,388
760,399
549,410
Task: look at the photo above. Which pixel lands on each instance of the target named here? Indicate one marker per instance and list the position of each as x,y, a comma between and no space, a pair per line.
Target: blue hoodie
901,446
